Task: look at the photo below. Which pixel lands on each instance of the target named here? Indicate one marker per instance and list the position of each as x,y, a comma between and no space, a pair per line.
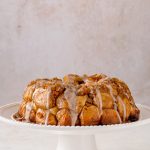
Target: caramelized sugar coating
78,100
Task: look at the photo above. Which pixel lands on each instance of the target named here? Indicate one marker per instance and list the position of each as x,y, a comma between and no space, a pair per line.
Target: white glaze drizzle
127,95
74,116
124,92
47,117
48,97
111,92
28,111
88,82
124,107
118,115
102,80
70,96
39,90
114,99
98,92
99,97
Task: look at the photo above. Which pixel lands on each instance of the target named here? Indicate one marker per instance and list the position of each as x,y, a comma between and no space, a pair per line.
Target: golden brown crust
43,99
22,109
64,117
90,115
78,100
43,115
61,102
109,117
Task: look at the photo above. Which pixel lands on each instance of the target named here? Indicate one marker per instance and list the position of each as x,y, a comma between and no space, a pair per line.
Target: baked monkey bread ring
78,101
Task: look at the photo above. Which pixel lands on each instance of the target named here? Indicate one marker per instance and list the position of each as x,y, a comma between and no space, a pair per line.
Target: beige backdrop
45,38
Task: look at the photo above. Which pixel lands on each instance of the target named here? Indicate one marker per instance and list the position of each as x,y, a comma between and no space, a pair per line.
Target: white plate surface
9,109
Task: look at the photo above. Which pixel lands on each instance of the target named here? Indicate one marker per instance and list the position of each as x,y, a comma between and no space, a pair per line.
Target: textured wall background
45,38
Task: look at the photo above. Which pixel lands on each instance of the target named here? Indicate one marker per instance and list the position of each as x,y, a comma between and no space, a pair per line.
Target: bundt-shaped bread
76,100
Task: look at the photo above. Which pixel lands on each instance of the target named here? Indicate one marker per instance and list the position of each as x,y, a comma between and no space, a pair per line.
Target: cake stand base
76,142
75,137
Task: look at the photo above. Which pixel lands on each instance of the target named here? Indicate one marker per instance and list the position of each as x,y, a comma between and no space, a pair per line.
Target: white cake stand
74,138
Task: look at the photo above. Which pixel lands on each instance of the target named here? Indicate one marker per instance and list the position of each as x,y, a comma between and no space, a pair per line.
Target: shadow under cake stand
74,137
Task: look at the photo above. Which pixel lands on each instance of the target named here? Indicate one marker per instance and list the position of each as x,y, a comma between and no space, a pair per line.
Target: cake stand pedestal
76,142
78,137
